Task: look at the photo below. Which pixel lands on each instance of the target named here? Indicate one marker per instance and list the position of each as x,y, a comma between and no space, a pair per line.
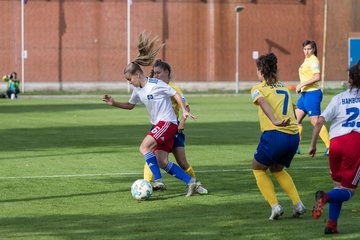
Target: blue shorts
310,102
276,147
179,140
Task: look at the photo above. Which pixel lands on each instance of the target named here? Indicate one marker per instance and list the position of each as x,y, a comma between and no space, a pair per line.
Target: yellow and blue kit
311,95
277,144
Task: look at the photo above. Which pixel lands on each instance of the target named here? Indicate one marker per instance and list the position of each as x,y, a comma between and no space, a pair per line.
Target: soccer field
67,166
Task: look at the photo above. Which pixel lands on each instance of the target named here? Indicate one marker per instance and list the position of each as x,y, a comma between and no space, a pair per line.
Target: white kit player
156,96
344,156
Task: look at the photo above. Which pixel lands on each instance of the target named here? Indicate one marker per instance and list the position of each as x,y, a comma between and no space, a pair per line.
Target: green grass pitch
67,166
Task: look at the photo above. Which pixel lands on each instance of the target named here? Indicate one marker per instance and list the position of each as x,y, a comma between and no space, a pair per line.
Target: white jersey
344,112
156,96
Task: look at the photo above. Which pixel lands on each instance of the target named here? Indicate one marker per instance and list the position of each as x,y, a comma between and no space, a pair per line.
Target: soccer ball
141,189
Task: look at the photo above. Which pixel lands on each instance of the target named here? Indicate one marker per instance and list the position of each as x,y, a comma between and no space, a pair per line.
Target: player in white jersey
152,96
155,94
162,70
344,155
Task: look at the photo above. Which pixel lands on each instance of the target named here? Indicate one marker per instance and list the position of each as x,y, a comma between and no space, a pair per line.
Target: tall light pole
238,9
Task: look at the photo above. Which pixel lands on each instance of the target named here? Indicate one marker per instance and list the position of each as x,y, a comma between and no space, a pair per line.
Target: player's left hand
191,115
181,126
186,114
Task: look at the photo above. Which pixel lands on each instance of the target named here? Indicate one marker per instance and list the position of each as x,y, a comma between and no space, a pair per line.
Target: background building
81,44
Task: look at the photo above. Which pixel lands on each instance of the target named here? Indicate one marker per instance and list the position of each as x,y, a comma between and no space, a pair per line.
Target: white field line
134,173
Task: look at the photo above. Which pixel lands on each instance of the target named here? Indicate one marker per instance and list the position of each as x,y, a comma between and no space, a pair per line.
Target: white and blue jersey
156,96
344,113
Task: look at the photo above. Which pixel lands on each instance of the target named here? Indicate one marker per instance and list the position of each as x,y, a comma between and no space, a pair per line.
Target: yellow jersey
175,105
308,68
279,99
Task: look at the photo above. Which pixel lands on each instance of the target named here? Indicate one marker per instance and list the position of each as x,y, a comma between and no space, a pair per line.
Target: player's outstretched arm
185,112
124,105
315,135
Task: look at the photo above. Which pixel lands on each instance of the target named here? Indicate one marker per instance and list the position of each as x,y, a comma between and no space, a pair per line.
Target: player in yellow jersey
162,70
279,139
311,94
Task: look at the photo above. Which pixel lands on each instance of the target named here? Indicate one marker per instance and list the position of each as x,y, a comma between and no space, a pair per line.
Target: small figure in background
13,87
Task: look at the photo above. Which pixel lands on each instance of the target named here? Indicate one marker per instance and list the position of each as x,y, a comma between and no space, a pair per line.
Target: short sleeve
255,94
165,88
134,99
315,67
331,110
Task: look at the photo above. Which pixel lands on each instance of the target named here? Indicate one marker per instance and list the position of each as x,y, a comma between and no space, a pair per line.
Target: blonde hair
147,52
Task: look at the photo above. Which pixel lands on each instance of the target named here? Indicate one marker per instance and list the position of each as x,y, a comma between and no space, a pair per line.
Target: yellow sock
190,171
287,184
265,186
324,135
148,175
300,130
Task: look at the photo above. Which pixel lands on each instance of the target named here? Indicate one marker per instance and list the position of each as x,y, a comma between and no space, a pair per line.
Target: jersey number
354,113
155,129
286,100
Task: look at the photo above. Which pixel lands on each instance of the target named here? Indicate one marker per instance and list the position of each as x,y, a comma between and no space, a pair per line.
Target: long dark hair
267,65
354,76
161,64
312,44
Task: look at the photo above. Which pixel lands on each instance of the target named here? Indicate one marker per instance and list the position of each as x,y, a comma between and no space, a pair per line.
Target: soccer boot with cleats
299,209
326,153
276,212
330,230
159,185
201,190
192,186
320,200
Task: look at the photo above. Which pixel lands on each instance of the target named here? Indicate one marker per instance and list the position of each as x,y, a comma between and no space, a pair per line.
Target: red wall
86,40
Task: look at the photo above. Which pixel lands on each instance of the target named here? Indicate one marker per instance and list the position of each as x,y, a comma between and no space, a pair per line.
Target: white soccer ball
141,189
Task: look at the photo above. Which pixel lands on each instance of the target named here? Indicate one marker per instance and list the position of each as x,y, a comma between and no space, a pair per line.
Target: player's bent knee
144,149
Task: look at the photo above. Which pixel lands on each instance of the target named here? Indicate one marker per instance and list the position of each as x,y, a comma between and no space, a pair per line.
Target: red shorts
344,158
164,133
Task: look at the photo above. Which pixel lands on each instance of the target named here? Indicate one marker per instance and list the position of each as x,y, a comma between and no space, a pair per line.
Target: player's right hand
108,99
312,151
283,123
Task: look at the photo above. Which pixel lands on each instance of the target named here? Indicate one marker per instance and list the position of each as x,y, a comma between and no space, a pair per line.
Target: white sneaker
299,209
192,186
276,212
159,185
201,190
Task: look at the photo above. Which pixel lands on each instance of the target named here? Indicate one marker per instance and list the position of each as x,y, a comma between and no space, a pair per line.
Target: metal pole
237,53
129,2
324,45
237,10
22,48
